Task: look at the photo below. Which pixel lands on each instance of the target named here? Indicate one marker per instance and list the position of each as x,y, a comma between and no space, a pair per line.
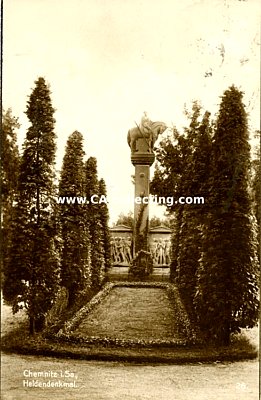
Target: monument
141,140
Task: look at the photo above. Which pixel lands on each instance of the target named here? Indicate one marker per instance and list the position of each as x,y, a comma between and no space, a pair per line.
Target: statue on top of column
147,130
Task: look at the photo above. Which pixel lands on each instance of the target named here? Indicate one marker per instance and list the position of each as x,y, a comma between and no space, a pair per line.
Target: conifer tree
76,263
10,160
256,189
96,229
182,171
227,289
32,273
195,183
167,181
104,218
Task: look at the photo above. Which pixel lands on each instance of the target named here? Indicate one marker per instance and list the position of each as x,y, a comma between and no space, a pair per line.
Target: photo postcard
130,193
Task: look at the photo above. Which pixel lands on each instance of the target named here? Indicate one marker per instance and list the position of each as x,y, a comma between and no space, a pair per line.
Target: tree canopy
10,160
76,247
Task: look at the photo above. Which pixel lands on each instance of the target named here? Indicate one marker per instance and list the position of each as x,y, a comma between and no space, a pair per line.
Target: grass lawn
132,313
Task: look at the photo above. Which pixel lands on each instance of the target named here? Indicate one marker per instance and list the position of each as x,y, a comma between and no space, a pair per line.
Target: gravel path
117,381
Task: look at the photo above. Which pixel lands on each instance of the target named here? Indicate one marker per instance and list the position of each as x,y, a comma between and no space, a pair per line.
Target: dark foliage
104,218
227,289
76,258
32,273
182,170
96,228
9,179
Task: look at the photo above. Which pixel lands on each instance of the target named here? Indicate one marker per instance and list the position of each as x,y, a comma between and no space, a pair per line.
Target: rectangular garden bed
132,314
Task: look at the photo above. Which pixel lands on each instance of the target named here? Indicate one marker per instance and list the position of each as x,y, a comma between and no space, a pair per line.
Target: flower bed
182,316
108,341
66,334
70,325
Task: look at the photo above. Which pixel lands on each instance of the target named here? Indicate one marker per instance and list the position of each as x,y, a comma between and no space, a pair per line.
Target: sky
108,61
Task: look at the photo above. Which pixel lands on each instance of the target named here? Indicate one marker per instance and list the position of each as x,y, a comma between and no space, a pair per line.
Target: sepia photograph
130,199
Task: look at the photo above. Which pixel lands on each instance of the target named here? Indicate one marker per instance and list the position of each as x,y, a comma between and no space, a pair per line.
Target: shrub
142,265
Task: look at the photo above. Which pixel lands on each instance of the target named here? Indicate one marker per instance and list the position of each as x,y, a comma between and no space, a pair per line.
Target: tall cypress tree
182,171
227,289
104,218
32,274
256,189
195,183
167,181
96,229
76,263
9,174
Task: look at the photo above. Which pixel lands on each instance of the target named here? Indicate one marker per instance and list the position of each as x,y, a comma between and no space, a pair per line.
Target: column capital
142,158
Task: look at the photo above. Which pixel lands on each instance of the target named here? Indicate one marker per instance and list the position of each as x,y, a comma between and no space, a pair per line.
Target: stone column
142,159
